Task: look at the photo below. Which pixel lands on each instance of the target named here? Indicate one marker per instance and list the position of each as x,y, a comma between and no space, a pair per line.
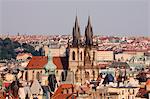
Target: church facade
82,54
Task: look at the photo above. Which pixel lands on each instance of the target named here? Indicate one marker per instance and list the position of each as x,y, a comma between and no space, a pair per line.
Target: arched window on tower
62,76
81,56
77,75
26,76
73,55
87,76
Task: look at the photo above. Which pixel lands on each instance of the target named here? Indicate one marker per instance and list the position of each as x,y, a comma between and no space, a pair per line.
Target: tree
16,44
28,48
7,41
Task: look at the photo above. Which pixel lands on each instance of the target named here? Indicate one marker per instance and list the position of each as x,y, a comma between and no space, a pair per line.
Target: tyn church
82,54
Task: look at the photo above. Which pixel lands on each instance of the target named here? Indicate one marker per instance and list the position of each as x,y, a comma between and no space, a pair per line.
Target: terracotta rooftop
64,96
58,94
38,62
60,62
66,85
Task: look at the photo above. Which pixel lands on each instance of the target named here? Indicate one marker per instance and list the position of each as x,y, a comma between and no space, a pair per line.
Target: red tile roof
58,94
103,65
66,85
60,62
64,96
37,62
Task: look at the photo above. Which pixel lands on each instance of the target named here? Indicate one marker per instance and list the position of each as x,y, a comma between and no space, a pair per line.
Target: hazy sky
109,17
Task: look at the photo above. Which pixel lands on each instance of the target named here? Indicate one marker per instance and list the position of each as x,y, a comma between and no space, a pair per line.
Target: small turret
50,67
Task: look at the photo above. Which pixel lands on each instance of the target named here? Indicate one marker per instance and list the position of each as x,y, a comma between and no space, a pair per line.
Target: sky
108,17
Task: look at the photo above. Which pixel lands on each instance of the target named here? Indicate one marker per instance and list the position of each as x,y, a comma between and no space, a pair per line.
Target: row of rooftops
104,42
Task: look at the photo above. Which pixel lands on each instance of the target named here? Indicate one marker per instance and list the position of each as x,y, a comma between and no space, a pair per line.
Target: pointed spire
76,22
89,33
89,21
76,33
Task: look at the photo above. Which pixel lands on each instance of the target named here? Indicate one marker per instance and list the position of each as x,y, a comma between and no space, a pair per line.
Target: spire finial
88,12
89,20
76,12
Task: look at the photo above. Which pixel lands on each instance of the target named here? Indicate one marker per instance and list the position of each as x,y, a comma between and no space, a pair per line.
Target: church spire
89,21
89,33
76,33
76,22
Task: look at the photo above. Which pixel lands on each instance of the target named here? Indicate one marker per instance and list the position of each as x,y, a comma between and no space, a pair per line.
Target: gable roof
58,94
37,62
61,62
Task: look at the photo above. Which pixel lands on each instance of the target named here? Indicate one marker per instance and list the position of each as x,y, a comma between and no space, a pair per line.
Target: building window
26,76
73,55
63,76
32,75
122,92
93,55
87,76
38,76
133,91
81,56
77,75
93,75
